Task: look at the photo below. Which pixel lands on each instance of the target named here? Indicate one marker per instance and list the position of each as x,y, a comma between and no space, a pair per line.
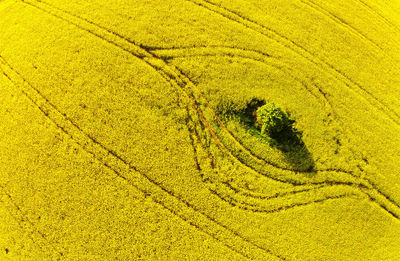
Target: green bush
273,121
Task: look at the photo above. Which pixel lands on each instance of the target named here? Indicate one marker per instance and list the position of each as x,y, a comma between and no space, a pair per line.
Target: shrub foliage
272,121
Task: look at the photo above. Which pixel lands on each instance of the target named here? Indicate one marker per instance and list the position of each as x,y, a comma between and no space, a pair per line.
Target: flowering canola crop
123,134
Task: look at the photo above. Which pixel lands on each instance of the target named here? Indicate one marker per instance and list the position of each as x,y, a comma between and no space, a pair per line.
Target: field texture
121,135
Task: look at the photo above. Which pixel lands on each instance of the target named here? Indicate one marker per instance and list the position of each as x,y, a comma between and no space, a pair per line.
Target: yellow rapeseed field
122,134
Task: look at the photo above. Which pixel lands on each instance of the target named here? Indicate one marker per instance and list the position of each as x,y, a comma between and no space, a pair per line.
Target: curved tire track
254,208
